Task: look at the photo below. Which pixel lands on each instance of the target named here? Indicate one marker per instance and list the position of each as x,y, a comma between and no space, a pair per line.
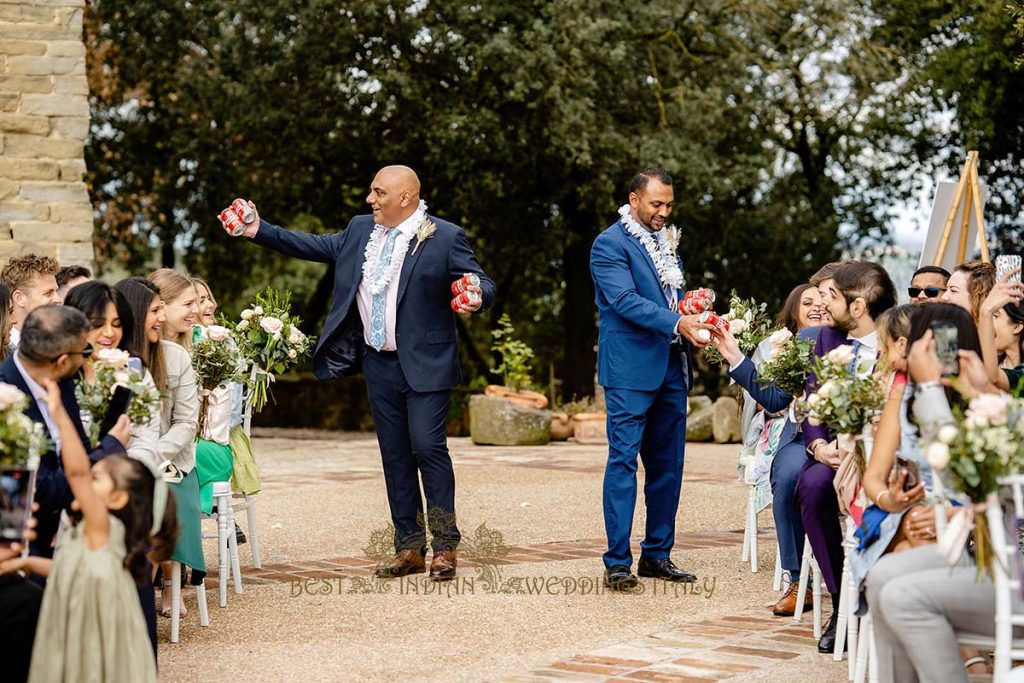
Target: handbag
848,477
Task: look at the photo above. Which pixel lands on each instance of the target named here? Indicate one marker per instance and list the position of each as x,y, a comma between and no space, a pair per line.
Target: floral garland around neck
661,247
378,280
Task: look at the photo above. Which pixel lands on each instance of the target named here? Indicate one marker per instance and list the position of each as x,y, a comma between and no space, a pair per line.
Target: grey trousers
917,604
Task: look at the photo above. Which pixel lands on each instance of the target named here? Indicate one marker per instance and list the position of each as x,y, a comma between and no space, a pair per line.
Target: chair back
1006,570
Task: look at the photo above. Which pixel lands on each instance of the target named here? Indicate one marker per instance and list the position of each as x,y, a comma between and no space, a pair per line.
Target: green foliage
787,369
22,440
516,366
94,397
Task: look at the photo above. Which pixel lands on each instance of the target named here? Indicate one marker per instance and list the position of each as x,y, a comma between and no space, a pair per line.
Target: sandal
165,610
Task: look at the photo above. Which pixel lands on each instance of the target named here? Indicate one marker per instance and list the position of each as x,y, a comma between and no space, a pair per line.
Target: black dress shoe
828,639
239,535
619,578
663,569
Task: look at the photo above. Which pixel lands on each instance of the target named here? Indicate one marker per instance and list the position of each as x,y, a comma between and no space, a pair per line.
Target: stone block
30,65
71,84
498,422
21,211
40,248
46,231
38,147
71,253
71,127
24,13
70,18
34,31
71,213
54,105
66,48
54,192
22,47
697,403
726,420
26,84
699,425
9,101
23,123
72,171
28,169
9,249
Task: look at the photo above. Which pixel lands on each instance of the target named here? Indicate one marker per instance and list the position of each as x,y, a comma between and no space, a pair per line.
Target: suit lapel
407,266
640,248
364,239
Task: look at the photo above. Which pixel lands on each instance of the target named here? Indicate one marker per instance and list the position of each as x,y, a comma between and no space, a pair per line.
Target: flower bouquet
270,342
112,368
988,445
21,442
749,323
788,362
216,361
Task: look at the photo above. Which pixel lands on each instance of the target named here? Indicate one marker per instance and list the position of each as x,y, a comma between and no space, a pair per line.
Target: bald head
394,195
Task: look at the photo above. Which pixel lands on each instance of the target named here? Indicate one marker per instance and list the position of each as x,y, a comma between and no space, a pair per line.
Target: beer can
244,211
232,222
466,298
463,283
709,318
697,301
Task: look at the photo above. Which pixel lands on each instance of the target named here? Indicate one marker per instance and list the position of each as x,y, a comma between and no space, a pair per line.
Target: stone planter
498,421
561,426
590,428
522,397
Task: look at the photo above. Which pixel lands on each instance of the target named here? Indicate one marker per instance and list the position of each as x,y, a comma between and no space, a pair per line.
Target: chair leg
223,507
801,590
860,671
175,600
236,573
204,611
873,655
745,553
844,614
816,586
752,511
777,579
254,537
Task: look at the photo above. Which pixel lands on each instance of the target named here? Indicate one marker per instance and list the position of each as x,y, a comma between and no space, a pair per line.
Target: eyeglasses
86,352
930,292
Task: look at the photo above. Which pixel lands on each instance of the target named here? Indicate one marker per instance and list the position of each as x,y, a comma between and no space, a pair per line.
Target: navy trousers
789,525
653,424
411,434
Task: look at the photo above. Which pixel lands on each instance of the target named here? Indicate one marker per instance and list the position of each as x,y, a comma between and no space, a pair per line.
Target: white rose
115,358
243,325
737,326
295,335
948,434
246,314
292,354
827,389
841,355
122,377
748,317
218,333
813,421
277,335
258,310
937,455
814,399
9,395
271,325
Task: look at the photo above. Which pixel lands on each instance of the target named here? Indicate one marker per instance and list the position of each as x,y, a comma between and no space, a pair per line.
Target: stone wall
44,119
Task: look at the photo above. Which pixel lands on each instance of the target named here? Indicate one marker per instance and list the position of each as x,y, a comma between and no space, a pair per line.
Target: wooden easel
968,193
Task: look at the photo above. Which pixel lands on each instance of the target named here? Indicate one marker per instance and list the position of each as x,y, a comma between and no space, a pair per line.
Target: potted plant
515,368
589,421
21,442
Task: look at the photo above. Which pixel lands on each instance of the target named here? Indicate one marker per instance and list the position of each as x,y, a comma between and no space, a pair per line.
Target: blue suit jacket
636,326
52,490
425,323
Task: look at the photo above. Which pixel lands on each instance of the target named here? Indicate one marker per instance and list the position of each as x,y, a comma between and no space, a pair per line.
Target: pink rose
217,333
114,358
989,408
271,325
9,395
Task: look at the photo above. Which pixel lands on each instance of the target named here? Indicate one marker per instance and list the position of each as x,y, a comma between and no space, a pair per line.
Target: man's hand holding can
240,219
468,295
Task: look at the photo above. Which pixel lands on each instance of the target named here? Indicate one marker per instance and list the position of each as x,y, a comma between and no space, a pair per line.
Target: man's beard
842,323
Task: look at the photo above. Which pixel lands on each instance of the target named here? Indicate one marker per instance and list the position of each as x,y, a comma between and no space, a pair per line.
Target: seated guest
968,286
1000,328
33,283
69,277
53,347
927,284
860,292
778,438
20,600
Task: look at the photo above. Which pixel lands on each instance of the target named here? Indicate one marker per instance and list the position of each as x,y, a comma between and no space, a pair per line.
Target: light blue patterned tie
856,352
377,309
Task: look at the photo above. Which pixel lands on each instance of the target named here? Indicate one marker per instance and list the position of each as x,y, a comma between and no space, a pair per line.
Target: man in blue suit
392,319
644,364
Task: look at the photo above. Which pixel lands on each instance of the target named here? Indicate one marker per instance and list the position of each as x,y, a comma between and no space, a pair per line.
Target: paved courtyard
528,605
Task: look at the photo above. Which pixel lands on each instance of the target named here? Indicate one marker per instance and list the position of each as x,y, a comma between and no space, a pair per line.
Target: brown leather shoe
442,566
404,563
786,606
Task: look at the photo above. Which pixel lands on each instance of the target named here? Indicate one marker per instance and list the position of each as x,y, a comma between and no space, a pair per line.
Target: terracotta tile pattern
729,647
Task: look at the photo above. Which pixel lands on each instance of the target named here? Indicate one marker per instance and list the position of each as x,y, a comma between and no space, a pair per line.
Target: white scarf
660,246
378,280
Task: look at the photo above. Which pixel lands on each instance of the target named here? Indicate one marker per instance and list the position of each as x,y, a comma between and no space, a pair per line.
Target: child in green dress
91,625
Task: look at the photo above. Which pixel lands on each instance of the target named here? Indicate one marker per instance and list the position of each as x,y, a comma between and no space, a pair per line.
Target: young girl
90,624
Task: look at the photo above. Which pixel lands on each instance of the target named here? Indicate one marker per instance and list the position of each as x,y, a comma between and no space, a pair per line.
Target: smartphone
17,488
1006,264
947,344
135,364
118,406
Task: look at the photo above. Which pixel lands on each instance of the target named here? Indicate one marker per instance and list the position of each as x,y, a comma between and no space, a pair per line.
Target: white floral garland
378,281
660,246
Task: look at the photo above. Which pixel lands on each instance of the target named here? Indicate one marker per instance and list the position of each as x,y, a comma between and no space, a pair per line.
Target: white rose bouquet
270,342
21,439
987,446
788,362
748,321
844,401
217,362
111,370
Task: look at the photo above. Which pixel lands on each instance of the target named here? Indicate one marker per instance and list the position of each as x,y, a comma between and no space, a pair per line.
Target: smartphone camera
947,345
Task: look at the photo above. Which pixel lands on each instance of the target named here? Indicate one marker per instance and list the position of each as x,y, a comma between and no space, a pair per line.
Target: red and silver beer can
709,318
463,283
244,211
466,298
232,222
697,301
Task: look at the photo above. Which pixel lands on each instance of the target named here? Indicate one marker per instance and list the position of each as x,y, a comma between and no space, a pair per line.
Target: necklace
660,246
378,276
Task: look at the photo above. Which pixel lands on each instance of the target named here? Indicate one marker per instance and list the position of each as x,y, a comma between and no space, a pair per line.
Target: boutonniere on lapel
672,238
424,232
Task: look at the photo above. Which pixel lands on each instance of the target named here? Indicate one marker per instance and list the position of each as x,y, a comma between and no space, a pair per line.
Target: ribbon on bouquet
969,519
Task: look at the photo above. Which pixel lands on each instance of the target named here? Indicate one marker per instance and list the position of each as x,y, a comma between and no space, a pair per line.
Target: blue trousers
789,525
411,433
653,424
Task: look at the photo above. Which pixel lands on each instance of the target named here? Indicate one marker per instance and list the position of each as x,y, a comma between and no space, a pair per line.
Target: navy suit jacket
636,326
424,322
52,490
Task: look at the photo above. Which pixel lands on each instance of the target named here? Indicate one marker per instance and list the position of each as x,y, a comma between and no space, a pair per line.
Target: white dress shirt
15,339
39,394
364,298
868,349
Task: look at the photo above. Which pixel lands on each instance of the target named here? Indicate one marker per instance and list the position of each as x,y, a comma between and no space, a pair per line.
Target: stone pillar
44,119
